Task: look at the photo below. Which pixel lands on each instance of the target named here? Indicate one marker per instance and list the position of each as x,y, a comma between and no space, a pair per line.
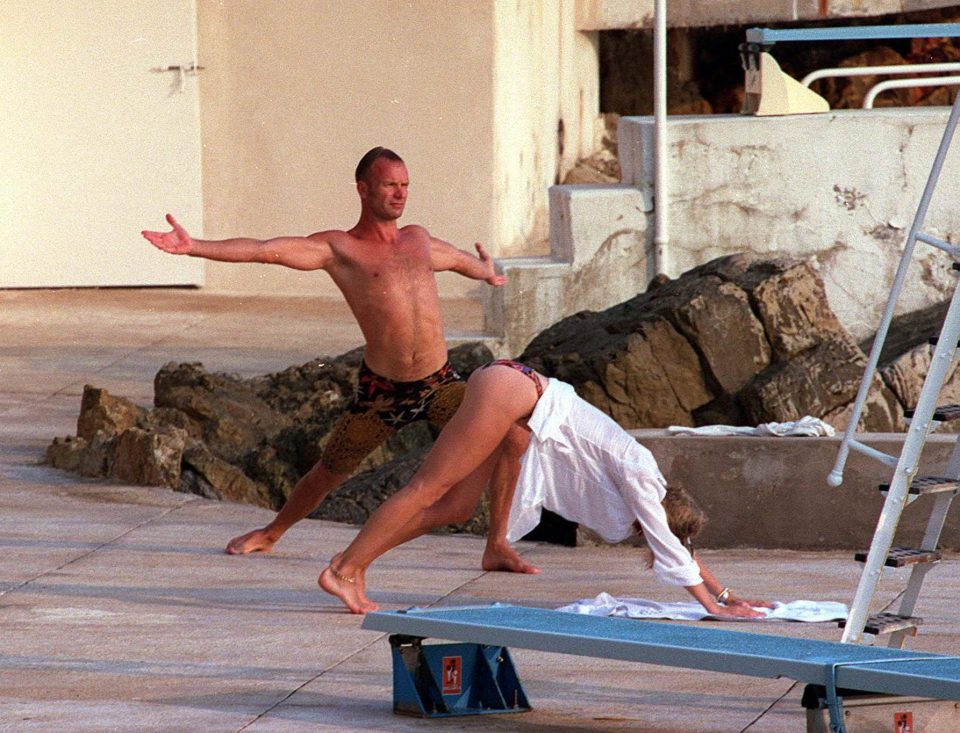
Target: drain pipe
661,223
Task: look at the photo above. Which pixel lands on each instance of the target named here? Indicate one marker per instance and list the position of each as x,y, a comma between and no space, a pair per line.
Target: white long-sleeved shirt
582,465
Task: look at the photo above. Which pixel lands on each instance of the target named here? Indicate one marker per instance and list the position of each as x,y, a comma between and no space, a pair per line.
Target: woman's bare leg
498,554
466,449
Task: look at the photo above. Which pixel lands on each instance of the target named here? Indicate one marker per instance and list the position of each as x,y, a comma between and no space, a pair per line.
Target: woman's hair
685,517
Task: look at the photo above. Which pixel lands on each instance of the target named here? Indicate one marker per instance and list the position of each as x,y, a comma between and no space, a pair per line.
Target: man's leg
352,439
498,553
306,496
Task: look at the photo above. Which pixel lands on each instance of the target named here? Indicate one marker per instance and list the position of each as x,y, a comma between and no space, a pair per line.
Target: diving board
830,664
770,36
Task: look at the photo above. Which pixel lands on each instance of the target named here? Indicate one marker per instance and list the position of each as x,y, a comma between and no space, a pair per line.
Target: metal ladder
906,486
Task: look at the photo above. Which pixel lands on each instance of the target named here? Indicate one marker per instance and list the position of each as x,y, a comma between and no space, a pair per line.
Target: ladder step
900,557
929,485
944,413
888,623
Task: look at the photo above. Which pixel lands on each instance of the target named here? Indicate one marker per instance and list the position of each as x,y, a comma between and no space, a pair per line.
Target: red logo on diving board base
452,675
903,722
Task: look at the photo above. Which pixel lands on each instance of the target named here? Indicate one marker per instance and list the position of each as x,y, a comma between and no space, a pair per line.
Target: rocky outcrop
738,341
247,440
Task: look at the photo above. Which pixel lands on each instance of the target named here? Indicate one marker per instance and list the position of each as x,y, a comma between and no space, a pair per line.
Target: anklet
340,576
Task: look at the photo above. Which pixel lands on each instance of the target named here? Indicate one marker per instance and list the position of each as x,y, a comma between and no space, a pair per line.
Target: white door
94,145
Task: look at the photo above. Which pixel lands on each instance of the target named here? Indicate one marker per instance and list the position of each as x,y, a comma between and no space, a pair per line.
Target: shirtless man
386,275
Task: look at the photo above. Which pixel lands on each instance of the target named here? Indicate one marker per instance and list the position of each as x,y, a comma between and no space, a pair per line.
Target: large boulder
737,341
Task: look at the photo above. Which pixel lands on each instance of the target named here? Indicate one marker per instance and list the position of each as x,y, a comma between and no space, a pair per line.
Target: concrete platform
120,612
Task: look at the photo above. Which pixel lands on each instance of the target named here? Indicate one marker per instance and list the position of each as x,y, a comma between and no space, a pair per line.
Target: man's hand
493,278
176,241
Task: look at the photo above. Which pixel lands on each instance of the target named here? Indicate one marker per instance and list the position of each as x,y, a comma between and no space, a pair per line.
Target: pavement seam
362,649
769,707
146,347
99,547
317,676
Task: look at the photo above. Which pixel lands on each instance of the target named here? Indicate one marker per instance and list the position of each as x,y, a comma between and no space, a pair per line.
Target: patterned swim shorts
382,406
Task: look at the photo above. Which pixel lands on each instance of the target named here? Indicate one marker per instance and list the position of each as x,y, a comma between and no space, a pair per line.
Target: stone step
888,623
928,485
900,557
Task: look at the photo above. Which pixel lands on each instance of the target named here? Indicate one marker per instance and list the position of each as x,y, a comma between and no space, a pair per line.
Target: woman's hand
735,610
733,601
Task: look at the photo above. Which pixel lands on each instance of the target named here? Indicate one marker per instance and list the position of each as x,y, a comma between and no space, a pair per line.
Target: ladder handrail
884,86
892,69
940,366
835,477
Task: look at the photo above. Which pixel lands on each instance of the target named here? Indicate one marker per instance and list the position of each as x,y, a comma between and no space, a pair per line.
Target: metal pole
661,224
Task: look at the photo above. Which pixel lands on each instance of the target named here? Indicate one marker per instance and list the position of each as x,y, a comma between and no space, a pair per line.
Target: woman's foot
343,587
505,558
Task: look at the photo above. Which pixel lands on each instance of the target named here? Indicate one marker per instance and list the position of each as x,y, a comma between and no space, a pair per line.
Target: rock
96,459
233,418
148,457
739,341
718,319
904,376
820,381
789,299
66,453
101,411
206,474
652,377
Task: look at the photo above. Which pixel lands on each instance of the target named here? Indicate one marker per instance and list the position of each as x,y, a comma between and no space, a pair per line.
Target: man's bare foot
504,558
255,541
344,588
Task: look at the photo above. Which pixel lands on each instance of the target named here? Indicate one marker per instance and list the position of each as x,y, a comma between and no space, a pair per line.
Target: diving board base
446,680
866,712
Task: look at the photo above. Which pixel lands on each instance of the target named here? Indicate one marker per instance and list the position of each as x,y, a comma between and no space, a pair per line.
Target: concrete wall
772,492
841,187
469,93
599,256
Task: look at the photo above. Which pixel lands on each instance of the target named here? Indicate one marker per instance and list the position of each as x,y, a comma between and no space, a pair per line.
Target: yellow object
769,91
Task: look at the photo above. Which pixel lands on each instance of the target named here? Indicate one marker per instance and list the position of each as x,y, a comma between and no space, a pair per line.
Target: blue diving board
770,36
830,664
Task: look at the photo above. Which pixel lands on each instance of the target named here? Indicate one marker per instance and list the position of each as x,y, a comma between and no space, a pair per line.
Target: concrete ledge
615,14
584,219
772,492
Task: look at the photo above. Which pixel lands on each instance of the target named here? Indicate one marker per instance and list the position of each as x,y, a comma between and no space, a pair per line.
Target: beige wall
546,106
294,93
469,92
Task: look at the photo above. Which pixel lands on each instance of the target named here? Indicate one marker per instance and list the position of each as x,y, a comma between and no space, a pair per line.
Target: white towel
607,605
806,426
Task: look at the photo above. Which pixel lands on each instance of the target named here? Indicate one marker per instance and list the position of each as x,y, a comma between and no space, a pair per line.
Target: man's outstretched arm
445,256
299,253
